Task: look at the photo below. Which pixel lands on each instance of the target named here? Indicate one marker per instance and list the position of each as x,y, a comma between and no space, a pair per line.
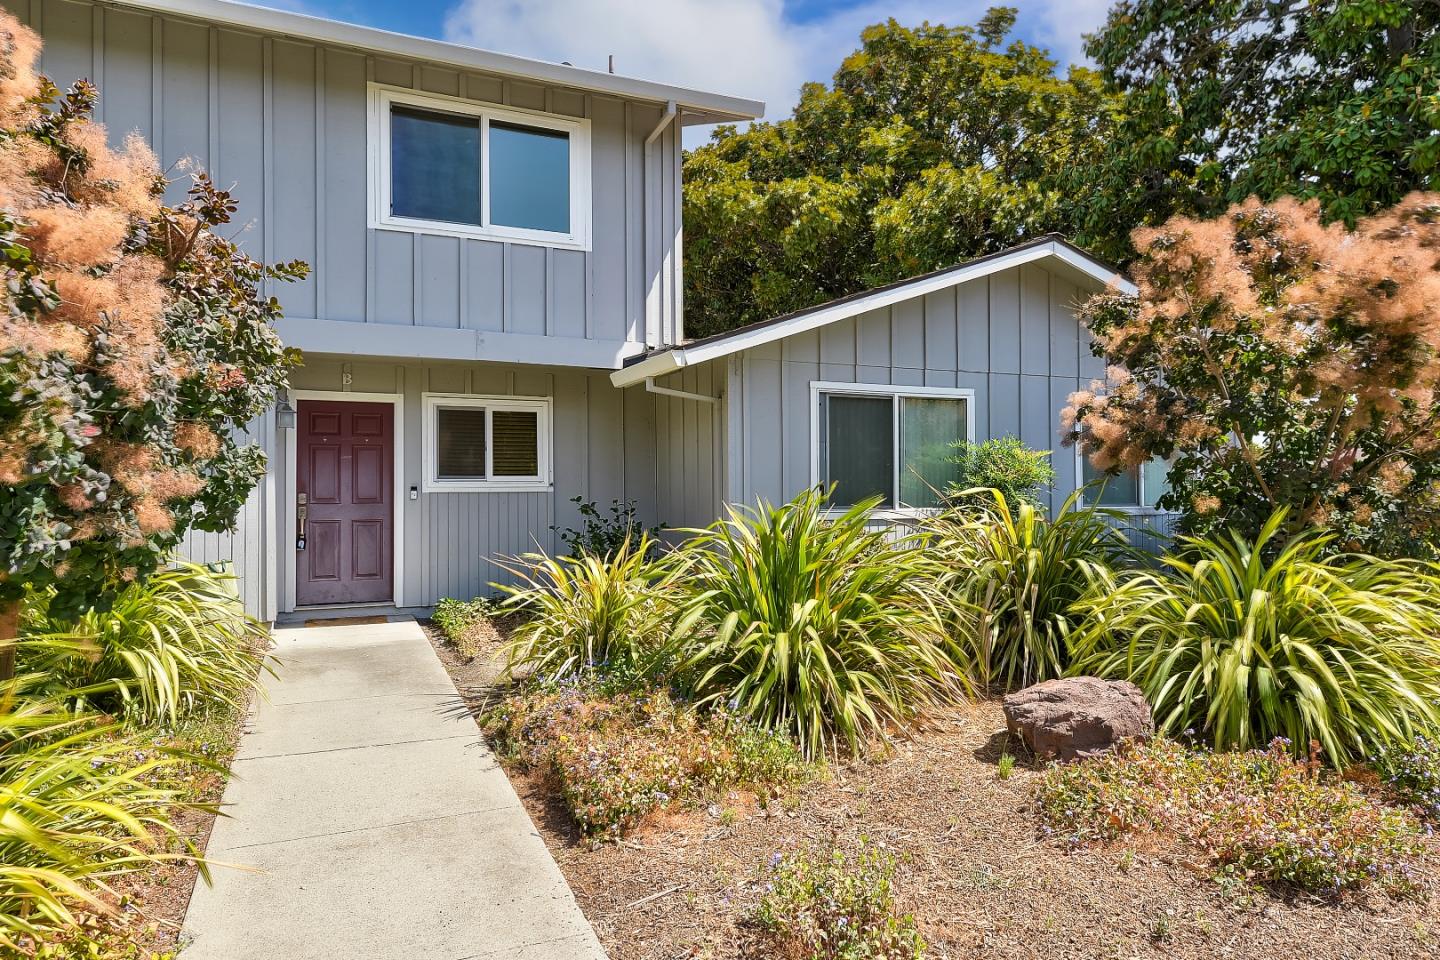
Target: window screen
929,429
460,443
859,455
517,443
434,166
1119,490
529,177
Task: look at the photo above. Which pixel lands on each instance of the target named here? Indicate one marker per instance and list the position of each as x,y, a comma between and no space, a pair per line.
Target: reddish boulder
1078,716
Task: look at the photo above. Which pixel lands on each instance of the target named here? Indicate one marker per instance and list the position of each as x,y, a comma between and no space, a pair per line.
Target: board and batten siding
690,445
284,123
1011,337
602,445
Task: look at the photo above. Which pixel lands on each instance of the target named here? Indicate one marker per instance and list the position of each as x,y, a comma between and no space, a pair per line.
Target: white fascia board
673,359
697,106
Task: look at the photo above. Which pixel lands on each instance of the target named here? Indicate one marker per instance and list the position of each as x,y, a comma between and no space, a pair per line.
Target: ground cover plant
810,624
1260,814
1018,573
1412,771
178,642
1243,641
619,755
464,622
829,904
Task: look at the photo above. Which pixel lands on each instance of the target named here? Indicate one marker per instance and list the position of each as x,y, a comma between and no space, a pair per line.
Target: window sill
439,228
486,486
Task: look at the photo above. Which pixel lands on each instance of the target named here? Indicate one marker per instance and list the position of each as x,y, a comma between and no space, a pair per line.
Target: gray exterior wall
690,448
1012,337
285,123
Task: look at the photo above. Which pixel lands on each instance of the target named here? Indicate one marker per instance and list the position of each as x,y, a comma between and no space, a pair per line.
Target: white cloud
745,48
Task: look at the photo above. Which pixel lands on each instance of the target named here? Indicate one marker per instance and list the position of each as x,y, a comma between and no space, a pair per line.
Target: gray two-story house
494,320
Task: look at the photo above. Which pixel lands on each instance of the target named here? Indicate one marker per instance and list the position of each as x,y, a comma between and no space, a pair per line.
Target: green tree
134,342
1282,364
931,145
1337,100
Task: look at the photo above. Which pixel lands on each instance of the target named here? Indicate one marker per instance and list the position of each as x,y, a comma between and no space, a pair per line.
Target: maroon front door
344,478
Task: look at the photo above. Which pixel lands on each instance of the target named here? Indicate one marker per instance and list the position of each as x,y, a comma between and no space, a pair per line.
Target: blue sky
763,49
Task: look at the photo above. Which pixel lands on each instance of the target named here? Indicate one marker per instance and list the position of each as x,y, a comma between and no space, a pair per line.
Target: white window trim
431,403
895,393
383,97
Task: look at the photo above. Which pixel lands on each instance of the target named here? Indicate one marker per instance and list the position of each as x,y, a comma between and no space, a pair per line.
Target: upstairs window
481,444
894,443
456,167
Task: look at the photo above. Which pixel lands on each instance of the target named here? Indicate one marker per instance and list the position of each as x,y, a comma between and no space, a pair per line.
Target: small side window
481,444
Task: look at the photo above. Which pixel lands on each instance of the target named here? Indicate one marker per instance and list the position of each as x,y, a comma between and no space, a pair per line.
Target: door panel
345,470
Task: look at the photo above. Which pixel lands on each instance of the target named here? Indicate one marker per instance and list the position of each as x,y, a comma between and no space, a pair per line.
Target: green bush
459,620
1244,642
827,905
170,645
601,536
77,808
1005,465
619,756
811,625
588,612
1260,814
1020,574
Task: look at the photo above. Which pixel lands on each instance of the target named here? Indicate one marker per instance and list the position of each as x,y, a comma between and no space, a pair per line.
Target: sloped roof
696,106
1067,256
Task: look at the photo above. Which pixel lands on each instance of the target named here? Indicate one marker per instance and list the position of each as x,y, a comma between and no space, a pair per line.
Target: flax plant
1242,641
1020,573
807,622
166,647
590,611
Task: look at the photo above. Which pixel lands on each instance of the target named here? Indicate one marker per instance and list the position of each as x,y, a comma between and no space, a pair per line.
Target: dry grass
974,871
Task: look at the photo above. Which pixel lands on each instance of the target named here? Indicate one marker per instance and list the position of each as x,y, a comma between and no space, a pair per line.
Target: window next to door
890,442
457,167
486,444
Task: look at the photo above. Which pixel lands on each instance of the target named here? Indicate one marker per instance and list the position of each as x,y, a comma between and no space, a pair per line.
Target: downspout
650,387
668,117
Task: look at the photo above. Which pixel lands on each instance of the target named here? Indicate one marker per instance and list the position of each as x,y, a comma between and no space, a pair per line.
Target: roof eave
697,106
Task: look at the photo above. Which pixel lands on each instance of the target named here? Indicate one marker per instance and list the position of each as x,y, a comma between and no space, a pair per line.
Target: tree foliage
932,144
1281,363
1334,100
133,341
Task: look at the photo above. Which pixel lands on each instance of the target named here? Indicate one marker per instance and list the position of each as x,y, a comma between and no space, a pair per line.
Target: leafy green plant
1412,771
1004,464
831,905
460,620
811,624
602,536
1244,641
176,642
1261,813
1006,766
619,756
589,611
77,808
1021,573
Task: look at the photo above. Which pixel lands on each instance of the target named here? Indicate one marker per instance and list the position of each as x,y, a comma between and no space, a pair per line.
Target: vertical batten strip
417,241
267,153
212,126
157,84
632,332
679,201
588,255
549,275
371,258
320,224
97,57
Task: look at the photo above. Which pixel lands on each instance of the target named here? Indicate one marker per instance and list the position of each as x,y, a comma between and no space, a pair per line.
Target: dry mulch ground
974,870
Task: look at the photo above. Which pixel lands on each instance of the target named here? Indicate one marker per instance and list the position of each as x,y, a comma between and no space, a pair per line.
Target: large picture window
486,443
452,166
894,443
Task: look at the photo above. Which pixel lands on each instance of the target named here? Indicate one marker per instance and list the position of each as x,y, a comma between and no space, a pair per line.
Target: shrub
814,626
1258,812
619,756
461,620
76,810
1020,573
827,905
588,611
1413,772
1248,641
1005,465
167,646
602,536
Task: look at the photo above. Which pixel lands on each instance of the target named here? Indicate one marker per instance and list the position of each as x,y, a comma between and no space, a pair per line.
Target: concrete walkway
374,822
